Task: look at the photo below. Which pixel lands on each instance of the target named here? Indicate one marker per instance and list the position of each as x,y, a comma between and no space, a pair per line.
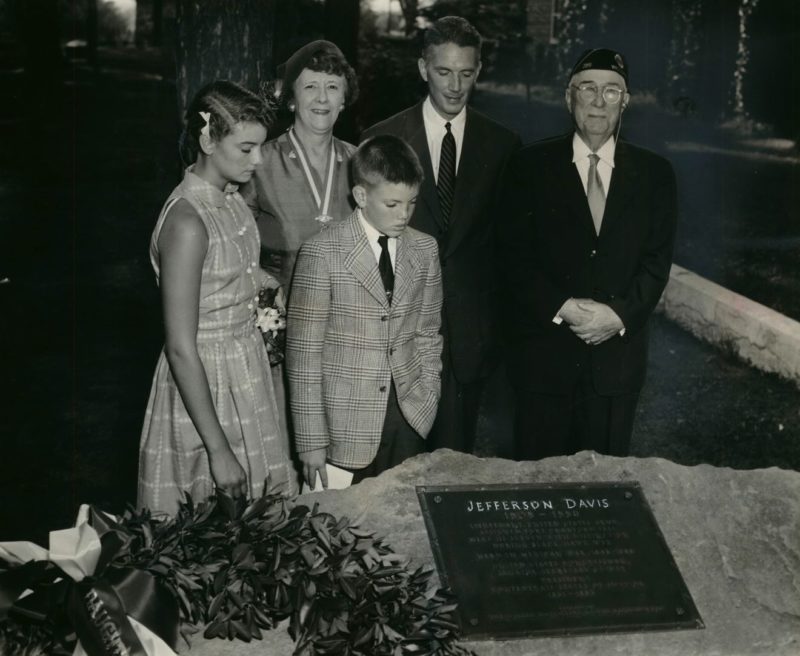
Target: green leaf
226,503
216,605
262,619
235,598
283,576
214,630
347,588
365,636
220,580
241,630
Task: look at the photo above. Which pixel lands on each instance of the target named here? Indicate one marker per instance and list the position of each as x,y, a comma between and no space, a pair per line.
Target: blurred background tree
710,59
223,40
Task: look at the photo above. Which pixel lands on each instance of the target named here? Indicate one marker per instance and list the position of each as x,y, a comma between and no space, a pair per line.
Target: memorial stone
554,559
735,536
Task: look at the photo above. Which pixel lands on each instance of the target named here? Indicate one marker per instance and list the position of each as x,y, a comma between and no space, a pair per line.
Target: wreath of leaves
238,568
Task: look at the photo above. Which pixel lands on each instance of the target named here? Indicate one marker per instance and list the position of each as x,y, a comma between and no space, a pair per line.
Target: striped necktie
595,193
385,267
446,181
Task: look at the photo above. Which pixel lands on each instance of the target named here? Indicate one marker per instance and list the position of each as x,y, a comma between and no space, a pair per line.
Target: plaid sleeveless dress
172,458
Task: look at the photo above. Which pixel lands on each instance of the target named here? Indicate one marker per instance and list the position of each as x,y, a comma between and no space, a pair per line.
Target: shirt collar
433,118
205,190
606,152
369,229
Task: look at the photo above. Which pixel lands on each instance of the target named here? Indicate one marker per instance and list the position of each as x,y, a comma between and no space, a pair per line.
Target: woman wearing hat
302,182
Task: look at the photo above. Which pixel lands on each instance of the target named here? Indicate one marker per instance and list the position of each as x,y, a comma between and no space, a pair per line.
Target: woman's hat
290,70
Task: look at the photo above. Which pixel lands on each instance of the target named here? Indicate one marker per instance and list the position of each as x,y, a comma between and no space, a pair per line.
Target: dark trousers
398,441
562,424
457,417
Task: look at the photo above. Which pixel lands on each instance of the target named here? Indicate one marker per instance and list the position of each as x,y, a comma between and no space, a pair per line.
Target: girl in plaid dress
212,418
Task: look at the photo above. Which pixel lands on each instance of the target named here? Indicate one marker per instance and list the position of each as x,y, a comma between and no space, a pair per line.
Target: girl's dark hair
227,103
332,63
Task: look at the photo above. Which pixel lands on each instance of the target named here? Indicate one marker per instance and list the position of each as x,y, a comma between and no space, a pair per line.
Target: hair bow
206,130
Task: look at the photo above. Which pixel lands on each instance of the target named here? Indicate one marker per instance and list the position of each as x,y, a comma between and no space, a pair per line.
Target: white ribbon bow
76,551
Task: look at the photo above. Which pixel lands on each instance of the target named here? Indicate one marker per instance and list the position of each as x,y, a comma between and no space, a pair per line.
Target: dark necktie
595,193
385,267
446,182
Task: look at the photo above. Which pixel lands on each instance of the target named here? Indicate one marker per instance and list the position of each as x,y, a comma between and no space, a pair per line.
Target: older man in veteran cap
588,242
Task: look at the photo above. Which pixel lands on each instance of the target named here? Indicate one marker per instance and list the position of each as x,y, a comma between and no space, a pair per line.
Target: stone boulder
735,536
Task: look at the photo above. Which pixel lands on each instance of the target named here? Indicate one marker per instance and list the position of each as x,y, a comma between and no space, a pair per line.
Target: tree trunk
746,8
38,29
341,26
410,8
92,31
570,33
223,40
539,33
683,65
158,22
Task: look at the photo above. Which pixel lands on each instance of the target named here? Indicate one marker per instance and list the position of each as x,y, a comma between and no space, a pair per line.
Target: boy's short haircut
386,158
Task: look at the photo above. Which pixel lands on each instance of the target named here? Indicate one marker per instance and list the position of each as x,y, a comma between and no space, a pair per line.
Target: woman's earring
291,106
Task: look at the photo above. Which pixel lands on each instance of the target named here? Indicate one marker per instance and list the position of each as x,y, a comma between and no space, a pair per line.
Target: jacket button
593,253
383,388
384,318
391,351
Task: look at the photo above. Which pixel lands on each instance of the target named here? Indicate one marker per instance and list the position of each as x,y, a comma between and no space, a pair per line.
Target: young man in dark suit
463,154
589,237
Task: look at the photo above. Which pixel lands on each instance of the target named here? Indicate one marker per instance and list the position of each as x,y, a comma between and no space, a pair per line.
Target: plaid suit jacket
346,343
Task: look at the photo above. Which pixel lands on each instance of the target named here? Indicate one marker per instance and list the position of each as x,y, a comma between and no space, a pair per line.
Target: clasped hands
591,321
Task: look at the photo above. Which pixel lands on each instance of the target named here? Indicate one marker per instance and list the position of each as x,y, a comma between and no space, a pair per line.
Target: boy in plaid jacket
363,346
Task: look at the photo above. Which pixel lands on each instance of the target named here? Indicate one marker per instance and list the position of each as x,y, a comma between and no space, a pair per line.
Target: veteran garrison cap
601,59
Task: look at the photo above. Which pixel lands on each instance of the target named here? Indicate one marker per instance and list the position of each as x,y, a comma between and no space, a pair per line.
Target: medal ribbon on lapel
322,206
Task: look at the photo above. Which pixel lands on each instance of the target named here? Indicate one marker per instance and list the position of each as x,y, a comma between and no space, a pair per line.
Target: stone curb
762,337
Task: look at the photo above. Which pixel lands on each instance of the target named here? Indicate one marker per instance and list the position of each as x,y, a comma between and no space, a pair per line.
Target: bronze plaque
561,559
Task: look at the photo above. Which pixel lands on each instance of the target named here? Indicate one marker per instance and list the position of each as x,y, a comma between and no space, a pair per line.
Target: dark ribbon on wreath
95,609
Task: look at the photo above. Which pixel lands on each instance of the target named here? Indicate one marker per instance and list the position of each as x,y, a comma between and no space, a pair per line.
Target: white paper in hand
338,479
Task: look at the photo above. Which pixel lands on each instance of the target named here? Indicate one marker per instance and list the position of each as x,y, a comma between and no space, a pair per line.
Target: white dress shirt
372,238
605,165
435,131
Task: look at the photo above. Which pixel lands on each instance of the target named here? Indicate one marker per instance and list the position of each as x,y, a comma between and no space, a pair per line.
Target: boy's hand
280,301
313,462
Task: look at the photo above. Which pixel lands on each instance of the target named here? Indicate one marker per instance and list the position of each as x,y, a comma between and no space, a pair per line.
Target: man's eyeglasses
588,91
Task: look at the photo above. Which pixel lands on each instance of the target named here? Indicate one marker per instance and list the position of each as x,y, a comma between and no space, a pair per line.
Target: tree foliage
502,24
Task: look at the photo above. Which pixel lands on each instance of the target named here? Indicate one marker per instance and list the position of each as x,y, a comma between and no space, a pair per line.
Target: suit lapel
360,261
418,140
565,174
407,262
623,183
